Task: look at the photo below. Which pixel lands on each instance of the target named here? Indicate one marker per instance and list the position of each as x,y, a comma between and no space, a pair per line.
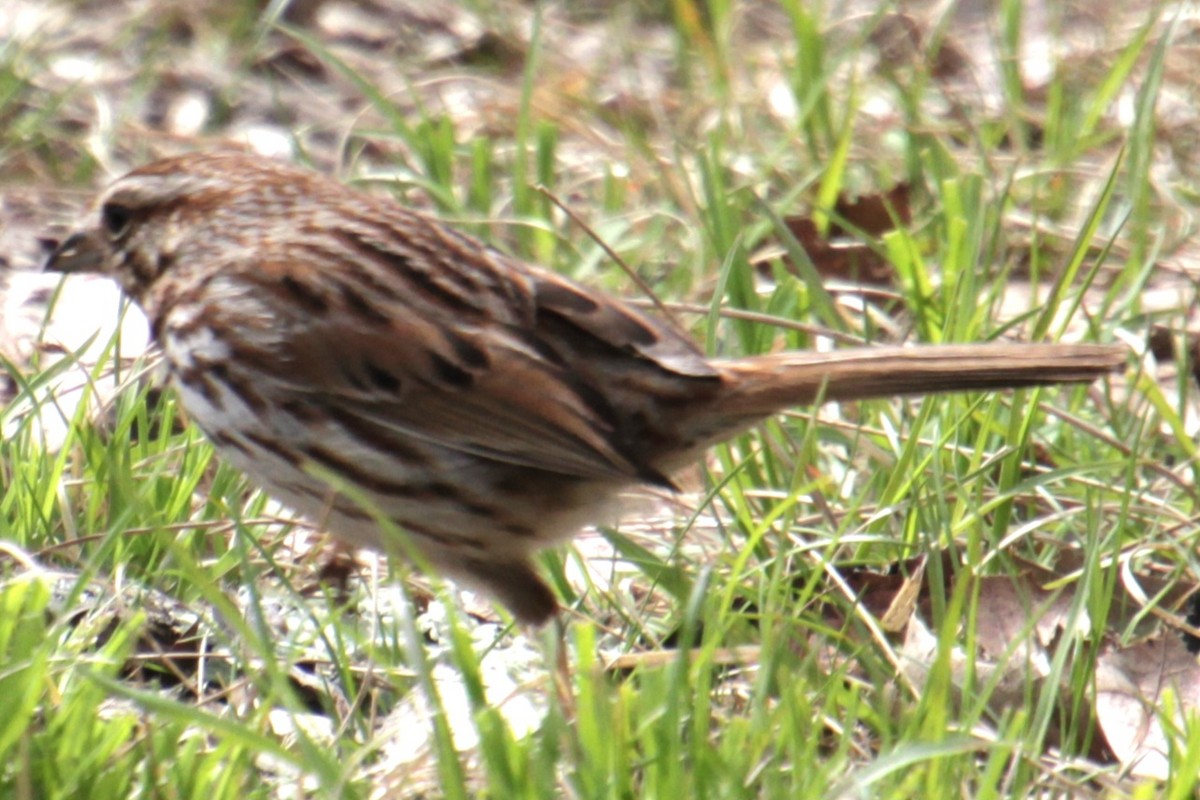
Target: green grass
791,687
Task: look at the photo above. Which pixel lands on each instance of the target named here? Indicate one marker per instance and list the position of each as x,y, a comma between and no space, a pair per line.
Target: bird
417,391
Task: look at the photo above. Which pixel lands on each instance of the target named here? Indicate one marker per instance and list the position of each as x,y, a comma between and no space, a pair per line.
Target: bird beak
79,252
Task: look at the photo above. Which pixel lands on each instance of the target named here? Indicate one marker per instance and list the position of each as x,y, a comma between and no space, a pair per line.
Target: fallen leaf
841,255
1131,688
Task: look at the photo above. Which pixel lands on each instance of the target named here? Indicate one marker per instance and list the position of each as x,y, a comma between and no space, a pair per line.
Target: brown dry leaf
840,257
1165,345
873,214
1011,610
904,603
890,597
1132,685
1012,604
1015,629
1015,635
1152,588
901,41
920,650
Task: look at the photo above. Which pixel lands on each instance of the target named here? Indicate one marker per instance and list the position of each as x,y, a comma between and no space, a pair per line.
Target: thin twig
754,316
641,284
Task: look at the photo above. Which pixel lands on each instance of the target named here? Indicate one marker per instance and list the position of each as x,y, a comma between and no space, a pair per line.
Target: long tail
764,384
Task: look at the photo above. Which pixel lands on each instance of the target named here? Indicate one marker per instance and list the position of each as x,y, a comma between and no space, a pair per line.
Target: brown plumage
363,362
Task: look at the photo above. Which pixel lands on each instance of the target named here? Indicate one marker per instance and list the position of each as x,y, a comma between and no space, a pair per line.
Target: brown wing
501,403
600,320
507,390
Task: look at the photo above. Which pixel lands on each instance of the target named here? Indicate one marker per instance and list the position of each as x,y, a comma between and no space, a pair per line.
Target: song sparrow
322,336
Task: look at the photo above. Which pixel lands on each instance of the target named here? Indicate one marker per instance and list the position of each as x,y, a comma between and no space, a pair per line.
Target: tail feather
764,384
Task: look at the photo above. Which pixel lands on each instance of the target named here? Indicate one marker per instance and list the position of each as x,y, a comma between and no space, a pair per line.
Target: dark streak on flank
238,385
360,476
516,529
451,373
351,376
254,360
595,400
381,377
322,494
374,436
560,488
477,509
301,411
308,297
196,378
360,306
223,439
273,447
467,351
444,538
443,490
348,509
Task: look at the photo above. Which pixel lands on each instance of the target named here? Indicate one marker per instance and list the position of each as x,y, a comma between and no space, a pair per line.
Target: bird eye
116,219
